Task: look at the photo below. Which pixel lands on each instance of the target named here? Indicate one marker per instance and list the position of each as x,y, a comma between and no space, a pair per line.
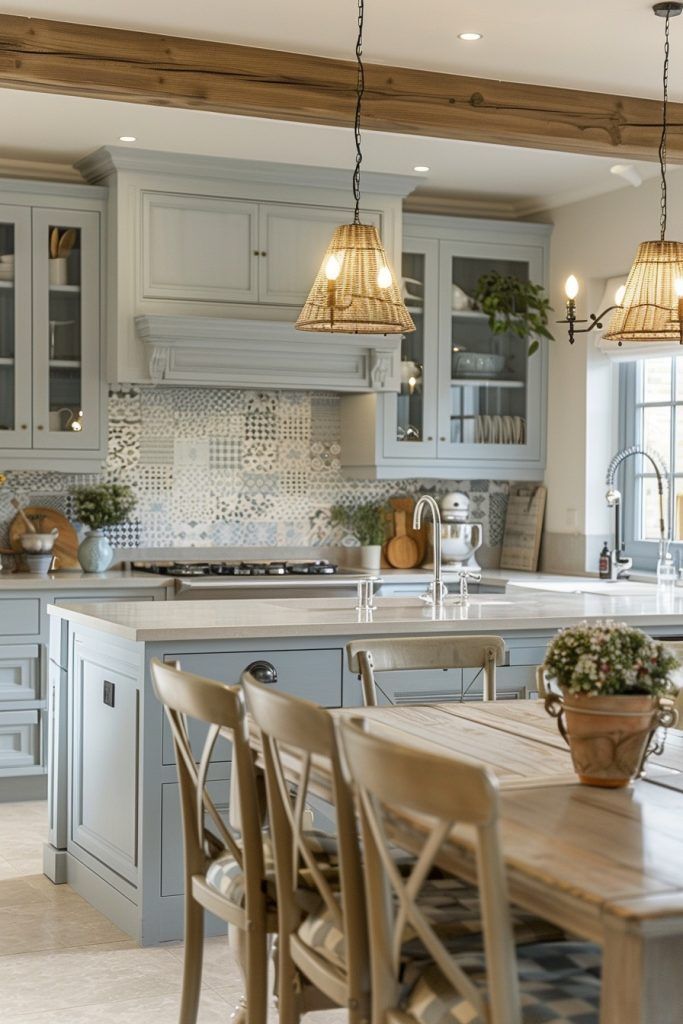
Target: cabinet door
199,248
410,416
15,327
66,330
490,391
292,243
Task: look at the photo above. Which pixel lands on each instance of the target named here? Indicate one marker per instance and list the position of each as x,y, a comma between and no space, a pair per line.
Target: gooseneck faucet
619,562
437,590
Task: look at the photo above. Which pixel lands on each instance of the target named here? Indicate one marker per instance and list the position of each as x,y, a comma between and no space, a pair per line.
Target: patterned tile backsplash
230,468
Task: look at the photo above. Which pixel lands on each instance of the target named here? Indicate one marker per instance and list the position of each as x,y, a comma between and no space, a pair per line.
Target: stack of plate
499,430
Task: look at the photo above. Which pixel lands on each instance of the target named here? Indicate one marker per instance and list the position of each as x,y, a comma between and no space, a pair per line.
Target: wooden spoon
66,243
402,550
22,515
54,243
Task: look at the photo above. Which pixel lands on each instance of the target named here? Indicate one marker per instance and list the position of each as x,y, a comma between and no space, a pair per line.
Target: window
652,416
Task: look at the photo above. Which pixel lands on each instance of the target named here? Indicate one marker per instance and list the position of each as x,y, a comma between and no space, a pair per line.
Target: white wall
594,239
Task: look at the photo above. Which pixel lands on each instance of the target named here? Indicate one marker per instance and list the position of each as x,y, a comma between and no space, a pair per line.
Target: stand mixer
460,538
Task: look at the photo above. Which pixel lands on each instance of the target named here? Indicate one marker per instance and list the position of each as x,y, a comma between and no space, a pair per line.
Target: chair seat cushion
559,983
452,907
225,874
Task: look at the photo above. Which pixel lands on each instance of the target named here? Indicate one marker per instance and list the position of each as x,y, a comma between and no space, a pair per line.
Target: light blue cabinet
52,394
472,404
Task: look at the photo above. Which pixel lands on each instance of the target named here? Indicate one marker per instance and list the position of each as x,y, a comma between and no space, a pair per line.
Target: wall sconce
571,290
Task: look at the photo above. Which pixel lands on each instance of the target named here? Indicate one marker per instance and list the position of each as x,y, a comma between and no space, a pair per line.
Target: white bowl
486,363
38,543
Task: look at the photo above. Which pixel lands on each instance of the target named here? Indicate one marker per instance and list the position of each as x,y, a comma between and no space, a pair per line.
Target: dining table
606,865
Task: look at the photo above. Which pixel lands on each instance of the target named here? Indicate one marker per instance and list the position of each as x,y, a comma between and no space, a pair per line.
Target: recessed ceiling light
127,138
421,168
470,37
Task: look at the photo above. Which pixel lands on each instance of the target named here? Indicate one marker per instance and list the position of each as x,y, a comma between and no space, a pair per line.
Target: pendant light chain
360,89
662,144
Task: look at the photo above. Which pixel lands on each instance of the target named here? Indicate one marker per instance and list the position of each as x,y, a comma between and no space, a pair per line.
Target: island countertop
520,611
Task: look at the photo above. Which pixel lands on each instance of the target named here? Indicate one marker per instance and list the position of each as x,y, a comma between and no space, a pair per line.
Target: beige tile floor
62,962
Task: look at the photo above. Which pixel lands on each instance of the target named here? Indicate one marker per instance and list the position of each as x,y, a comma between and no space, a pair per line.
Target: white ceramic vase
95,553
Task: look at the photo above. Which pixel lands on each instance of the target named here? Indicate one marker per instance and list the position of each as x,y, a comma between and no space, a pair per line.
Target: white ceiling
61,129
613,45
607,45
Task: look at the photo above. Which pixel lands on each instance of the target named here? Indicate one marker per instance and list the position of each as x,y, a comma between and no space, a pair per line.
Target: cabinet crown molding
268,355
106,161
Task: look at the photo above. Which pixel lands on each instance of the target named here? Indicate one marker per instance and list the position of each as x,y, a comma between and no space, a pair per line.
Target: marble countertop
78,580
495,613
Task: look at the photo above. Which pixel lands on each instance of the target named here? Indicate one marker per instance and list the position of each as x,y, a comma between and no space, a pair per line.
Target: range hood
268,355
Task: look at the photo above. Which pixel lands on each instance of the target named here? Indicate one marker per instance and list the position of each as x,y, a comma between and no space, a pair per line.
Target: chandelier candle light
355,291
649,307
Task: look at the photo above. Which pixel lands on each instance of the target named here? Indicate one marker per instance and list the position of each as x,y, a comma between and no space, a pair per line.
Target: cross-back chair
557,981
225,874
391,654
320,897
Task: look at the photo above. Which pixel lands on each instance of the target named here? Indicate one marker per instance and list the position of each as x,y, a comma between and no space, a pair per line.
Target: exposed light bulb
421,168
127,138
621,291
678,285
470,37
332,268
571,287
384,278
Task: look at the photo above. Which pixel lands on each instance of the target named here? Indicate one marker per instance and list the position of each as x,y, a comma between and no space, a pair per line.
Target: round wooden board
44,520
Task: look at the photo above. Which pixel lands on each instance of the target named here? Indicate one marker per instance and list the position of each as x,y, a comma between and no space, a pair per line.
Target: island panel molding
252,354
140,67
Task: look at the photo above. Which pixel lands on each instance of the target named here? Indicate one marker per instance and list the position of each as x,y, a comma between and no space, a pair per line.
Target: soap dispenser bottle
603,565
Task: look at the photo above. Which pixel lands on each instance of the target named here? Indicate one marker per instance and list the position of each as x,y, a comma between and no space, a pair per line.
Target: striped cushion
226,876
451,906
559,984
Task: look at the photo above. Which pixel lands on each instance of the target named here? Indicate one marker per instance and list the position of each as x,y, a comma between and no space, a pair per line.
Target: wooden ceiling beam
137,67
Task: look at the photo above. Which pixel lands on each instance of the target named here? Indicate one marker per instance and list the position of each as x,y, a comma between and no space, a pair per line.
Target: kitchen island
115,831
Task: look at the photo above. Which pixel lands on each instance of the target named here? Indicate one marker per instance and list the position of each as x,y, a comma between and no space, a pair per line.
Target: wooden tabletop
610,850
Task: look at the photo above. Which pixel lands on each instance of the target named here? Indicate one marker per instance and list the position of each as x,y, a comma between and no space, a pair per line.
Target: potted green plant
367,523
615,690
520,307
98,506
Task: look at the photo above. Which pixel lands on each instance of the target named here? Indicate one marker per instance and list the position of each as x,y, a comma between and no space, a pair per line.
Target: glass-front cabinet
472,402
50,338
15,327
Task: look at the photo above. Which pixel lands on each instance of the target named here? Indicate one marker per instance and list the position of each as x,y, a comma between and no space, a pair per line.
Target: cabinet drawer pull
263,672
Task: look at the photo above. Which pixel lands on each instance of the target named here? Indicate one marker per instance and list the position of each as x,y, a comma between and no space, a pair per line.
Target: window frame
643,552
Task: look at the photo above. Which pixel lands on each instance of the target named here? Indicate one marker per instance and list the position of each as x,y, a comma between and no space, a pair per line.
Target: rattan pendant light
356,291
649,310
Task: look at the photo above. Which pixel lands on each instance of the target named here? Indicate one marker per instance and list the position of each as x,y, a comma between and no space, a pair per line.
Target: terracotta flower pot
608,737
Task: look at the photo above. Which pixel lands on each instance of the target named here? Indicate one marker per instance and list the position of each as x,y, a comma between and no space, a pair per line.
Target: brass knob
442,439
40,426
263,253
255,252
430,438
24,426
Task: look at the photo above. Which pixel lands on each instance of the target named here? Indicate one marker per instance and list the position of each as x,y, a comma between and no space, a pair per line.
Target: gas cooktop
320,567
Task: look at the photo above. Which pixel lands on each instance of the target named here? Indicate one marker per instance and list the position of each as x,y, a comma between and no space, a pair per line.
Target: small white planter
370,557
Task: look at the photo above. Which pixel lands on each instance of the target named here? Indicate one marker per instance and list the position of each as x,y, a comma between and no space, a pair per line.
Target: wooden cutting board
402,550
44,520
420,536
523,527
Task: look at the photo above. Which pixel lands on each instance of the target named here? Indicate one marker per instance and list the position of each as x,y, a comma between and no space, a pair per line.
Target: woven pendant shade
364,296
649,309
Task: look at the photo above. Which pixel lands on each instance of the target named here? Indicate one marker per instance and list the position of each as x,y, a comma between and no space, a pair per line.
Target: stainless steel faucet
619,562
437,590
